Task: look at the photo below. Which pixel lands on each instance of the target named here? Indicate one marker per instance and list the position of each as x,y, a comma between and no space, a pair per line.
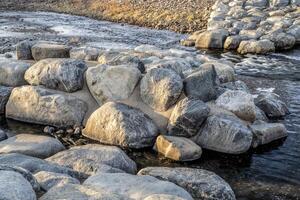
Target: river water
269,172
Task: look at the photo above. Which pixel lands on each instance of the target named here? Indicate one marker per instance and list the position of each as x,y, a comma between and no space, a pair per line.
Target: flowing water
269,172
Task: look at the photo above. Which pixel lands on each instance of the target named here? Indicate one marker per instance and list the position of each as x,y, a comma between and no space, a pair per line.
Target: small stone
77,131
8,55
49,129
69,131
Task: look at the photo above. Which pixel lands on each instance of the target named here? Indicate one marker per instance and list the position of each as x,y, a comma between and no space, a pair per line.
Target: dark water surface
269,172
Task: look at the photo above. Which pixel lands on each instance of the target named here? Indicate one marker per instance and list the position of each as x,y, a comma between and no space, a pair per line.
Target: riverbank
179,16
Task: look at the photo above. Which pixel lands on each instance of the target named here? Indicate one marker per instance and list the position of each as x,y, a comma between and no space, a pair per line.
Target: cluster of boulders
173,100
255,26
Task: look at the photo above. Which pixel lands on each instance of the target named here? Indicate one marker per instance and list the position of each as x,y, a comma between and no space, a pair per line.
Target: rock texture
4,96
211,39
122,125
85,53
44,50
256,47
12,72
60,74
45,107
23,50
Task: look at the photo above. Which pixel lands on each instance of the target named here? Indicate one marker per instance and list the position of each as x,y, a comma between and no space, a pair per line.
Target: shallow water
269,172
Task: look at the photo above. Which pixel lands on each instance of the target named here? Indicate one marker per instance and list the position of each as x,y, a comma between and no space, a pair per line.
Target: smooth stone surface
13,186
136,187
23,50
12,72
112,83
224,133
60,74
4,96
47,107
85,53
31,145
238,102
187,117
160,88
264,133
211,39
201,184
121,125
92,158
256,47
45,50
47,180
177,148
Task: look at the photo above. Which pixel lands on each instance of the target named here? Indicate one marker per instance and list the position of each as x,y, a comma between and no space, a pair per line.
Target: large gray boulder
23,50
160,88
85,53
112,83
202,84
271,104
256,47
45,107
12,72
4,96
179,65
93,158
136,187
177,148
13,186
60,74
224,133
282,41
32,145
238,102
201,184
43,50
213,39
122,125
187,117
224,71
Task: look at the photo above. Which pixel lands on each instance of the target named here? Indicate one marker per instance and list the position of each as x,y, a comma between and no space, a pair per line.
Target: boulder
122,125
47,107
32,145
187,117
264,133
238,102
47,180
93,158
282,41
12,72
43,50
257,3
295,31
112,83
236,85
160,88
224,133
250,34
177,148
136,187
179,65
4,96
85,53
271,104
256,47
279,3
202,84
23,50
260,115
13,186
201,184
232,42
60,74
211,39
224,71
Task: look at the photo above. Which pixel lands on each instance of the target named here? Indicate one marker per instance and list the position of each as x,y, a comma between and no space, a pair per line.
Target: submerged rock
46,106
43,50
201,184
177,148
93,158
60,74
256,47
122,125
12,73
31,145
4,96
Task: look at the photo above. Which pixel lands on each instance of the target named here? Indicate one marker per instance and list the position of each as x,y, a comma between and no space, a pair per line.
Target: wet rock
3,135
122,125
260,115
45,50
225,72
264,133
85,53
187,117
14,186
295,31
224,133
177,148
48,180
271,104
211,39
45,107
23,50
4,96
279,3
60,74
232,42
202,84
32,145
256,47
282,41
93,158
112,83
201,184
238,102
136,187
12,72
160,88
